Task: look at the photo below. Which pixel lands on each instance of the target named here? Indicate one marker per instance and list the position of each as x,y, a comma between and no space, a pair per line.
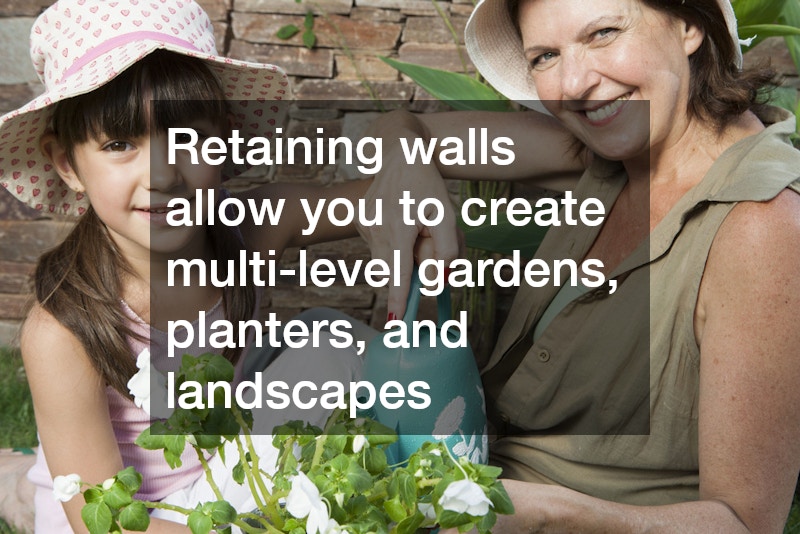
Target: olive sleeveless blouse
605,401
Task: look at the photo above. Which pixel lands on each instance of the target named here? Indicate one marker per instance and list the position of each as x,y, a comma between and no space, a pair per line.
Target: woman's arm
749,429
71,410
293,229
543,151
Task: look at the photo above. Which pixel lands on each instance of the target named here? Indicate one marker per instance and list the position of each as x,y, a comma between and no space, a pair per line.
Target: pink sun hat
80,45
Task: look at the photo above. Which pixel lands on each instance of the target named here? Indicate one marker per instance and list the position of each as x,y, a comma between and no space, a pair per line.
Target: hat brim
29,176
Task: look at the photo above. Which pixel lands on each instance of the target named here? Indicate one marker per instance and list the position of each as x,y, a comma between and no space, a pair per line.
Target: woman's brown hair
79,281
720,91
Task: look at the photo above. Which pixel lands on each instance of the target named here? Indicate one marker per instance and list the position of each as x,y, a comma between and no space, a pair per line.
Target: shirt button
544,356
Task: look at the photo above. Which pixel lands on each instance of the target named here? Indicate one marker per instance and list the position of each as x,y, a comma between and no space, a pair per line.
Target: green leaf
150,439
222,512
209,441
238,473
395,509
309,39
762,31
308,21
749,12
287,32
174,444
785,97
199,523
501,502
458,90
97,517
93,495
117,497
221,421
791,17
375,460
130,479
219,369
486,522
135,517
407,489
450,519
410,524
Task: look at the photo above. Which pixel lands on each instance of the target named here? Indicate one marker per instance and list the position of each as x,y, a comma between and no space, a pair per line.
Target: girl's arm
71,410
749,429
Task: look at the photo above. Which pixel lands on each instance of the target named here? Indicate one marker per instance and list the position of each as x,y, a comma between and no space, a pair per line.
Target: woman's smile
603,114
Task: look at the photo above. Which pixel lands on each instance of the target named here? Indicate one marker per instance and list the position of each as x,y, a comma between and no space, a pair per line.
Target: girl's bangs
160,91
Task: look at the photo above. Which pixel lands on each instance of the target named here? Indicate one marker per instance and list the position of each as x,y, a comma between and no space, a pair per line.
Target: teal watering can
457,412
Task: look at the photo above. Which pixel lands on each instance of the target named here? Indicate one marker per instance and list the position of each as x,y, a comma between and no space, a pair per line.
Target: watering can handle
443,309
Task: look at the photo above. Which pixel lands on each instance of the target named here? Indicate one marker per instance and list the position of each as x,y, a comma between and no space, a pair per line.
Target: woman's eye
117,146
605,32
542,59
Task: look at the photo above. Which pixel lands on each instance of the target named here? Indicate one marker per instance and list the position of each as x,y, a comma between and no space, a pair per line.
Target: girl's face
129,183
597,63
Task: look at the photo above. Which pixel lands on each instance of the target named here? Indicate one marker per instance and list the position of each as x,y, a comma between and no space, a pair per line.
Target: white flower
108,483
304,501
465,496
140,386
333,528
359,442
66,487
429,512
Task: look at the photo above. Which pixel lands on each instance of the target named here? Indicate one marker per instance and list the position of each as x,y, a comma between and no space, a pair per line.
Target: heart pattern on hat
72,54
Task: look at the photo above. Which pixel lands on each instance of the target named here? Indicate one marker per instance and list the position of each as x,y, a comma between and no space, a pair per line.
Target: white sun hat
80,45
495,47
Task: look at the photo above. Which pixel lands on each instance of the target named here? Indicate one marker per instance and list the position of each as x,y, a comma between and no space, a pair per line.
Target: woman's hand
403,229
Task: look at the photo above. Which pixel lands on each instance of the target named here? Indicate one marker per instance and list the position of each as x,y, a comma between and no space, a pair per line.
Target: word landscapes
304,395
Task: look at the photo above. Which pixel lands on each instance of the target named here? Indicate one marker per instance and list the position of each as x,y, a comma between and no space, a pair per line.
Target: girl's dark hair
79,281
719,90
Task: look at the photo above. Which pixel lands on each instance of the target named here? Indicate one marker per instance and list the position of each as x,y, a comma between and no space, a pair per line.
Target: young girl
93,147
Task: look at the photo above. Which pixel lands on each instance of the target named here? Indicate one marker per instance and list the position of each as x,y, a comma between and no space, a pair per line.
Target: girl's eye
118,146
183,138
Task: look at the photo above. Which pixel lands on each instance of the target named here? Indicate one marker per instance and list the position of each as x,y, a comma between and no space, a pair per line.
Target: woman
701,235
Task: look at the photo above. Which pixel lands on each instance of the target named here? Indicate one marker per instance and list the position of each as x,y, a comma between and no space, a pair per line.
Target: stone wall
343,67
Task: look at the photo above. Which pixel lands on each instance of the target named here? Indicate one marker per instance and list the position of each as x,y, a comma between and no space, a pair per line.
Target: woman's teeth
606,111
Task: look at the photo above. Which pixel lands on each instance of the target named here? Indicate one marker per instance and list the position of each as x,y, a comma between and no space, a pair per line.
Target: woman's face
596,64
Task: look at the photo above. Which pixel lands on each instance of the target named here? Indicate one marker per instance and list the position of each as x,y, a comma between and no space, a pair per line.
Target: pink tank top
128,421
